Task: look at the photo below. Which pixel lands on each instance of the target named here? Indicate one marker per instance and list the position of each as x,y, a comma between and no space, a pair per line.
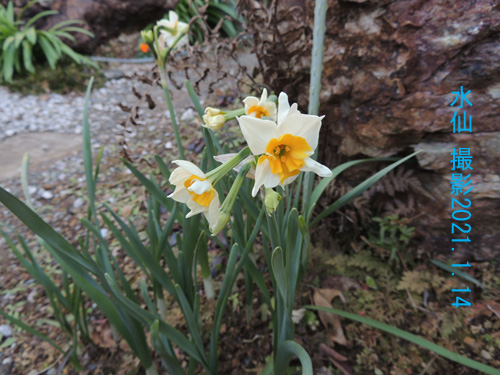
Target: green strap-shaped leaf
40,15
324,182
66,23
232,271
168,357
191,320
50,53
359,189
8,63
28,329
279,272
150,186
27,56
411,338
459,273
287,350
147,319
31,35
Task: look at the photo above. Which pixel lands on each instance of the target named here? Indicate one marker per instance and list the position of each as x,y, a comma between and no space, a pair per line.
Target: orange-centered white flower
284,147
167,37
193,189
260,108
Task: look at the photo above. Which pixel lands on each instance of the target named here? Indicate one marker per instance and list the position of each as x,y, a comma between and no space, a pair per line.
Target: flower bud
213,118
147,36
221,223
271,201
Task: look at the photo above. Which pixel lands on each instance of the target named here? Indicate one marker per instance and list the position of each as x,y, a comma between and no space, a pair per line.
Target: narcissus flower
170,30
284,147
193,189
260,108
213,118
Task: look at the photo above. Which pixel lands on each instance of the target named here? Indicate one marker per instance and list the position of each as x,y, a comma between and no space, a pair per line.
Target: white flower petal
263,97
257,132
200,187
271,109
318,168
179,176
212,214
226,157
283,107
190,167
264,176
182,27
305,126
289,180
166,38
250,101
194,207
173,17
180,194
165,23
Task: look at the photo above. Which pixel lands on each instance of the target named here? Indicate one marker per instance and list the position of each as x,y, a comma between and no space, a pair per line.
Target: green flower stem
176,40
233,114
164,85
274,231
162,307
216,174
320,9
227,205
277,316
169,29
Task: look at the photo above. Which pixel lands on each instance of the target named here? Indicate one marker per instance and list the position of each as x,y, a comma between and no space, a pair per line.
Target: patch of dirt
42,148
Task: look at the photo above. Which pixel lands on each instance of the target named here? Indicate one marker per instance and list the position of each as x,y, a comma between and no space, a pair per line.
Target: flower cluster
284,148
167,34
281,141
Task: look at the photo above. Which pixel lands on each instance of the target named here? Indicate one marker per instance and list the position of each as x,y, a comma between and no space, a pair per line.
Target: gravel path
49,127
63,113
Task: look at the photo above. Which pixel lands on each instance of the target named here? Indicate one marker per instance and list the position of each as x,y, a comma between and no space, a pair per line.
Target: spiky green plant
23,45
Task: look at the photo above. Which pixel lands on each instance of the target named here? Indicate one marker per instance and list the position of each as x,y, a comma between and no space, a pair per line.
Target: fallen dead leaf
326,350
323,297
103,337
127,211
335,358
470,342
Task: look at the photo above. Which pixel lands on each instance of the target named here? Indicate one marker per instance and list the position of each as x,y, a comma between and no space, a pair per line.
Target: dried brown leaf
323,297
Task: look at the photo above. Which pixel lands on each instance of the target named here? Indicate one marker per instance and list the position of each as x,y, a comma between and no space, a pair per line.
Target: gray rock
5,330
45,194
78,202
114,74
188,115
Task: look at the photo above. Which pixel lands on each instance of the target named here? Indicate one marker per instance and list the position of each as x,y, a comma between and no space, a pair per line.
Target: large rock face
105,18
389,70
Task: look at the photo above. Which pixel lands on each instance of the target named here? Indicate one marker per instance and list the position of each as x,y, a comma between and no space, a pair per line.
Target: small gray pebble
5,330
78,202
